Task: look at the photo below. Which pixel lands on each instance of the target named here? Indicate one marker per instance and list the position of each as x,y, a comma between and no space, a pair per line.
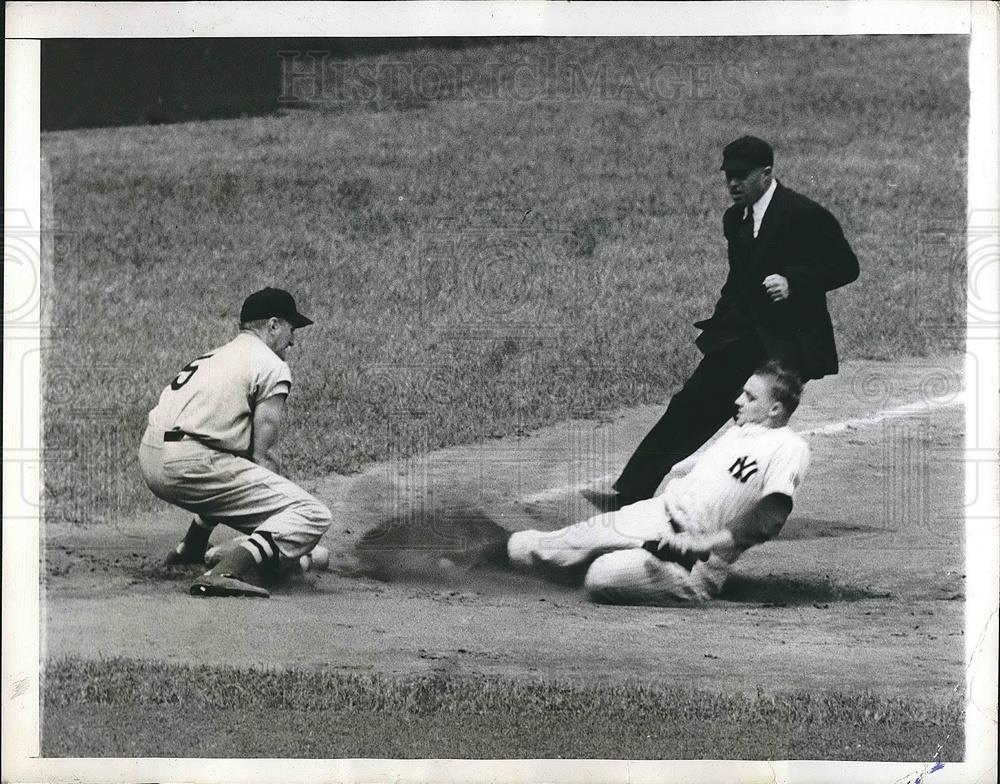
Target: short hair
786,386
261,323
254,324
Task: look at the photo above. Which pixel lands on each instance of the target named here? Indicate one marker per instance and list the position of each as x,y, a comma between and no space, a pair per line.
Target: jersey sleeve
786,469
273,379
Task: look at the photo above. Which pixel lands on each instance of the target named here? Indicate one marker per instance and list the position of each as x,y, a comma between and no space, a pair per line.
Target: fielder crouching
681,544
208,449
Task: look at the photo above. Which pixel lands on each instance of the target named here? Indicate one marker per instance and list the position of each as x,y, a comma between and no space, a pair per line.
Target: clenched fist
777,287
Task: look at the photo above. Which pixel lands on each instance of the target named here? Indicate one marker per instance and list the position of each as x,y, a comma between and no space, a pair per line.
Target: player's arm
687,548
268,417
763,522
684,467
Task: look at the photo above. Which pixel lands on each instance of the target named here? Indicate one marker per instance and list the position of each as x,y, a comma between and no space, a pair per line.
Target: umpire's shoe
607,501
210,584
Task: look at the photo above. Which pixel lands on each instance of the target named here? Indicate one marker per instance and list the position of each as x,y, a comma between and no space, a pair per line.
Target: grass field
125,708
480,259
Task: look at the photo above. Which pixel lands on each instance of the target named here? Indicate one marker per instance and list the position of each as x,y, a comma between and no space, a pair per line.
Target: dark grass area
121,707
479,263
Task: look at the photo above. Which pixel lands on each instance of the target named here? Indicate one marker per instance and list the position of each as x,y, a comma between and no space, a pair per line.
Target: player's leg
638,577
577,545
316,560
283,521
255,500
160,481
225,488
695,413
193,546
152,457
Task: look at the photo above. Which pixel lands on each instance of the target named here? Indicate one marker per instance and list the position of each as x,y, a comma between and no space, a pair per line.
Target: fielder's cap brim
298,321
270,302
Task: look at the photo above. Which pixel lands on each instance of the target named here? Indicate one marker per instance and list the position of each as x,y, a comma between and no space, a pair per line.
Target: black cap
746,153
270,302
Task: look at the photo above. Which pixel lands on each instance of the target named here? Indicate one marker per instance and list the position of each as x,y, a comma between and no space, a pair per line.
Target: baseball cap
270,302
746,153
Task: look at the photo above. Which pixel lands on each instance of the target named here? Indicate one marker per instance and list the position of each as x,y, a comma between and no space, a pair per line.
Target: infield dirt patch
863,590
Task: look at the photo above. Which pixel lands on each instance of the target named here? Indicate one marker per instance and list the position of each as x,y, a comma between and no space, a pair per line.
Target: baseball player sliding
208,449
680,545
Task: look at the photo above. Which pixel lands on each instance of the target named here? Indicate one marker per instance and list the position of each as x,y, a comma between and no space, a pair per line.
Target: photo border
29,22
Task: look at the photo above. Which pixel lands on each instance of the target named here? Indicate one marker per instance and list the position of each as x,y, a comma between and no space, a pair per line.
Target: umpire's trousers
703,405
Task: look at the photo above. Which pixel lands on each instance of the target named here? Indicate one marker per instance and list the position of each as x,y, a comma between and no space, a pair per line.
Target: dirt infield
863,590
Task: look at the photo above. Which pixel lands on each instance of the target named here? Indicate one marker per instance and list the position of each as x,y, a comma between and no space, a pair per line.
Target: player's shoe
182,554
226,585
214,553
317,560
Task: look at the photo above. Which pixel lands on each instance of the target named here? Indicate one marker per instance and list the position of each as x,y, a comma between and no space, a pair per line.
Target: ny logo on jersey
743,468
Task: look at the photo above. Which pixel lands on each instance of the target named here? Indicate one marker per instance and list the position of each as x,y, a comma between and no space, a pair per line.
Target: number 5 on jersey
186,372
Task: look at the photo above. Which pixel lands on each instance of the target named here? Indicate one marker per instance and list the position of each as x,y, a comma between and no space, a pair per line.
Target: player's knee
604,577
634,576
315,513
321,514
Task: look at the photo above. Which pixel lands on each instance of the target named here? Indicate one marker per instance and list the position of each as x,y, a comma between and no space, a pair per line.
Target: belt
180,435
176,435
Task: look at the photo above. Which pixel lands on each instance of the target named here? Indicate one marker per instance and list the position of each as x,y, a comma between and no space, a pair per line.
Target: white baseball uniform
746,464
195,450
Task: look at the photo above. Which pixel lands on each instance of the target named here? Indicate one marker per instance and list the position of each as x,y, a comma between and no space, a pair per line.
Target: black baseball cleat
182,554
226,585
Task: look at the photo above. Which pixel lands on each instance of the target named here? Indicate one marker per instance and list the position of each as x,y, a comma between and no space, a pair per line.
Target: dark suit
798,239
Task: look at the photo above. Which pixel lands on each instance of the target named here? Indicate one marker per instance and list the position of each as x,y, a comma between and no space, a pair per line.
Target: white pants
224,488
620,571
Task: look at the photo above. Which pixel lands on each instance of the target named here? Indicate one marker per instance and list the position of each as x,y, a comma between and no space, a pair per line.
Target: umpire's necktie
746,227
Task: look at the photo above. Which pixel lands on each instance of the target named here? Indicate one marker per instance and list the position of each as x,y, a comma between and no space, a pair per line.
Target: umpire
785,253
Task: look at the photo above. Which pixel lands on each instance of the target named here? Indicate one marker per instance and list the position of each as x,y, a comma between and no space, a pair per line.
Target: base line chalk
909,409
